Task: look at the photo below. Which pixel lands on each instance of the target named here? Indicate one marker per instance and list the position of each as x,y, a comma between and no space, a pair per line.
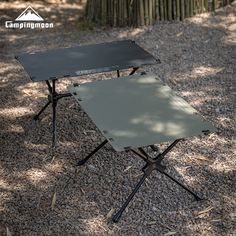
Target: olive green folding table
137,112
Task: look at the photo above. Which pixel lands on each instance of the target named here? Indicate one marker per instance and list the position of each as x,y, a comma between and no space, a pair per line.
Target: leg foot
36,117
197,198
133,71
83,161
116,217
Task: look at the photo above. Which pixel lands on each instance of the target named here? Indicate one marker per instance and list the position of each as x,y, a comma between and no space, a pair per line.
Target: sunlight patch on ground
231,37
223,121
56,166
15,112
36,146
222,167
134,32
204,226
5,185
31,90
35,175
15,128
15,38
223,21
6,67
206,71
191,180
96,226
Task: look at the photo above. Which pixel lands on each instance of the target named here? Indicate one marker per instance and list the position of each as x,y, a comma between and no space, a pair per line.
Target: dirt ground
40,192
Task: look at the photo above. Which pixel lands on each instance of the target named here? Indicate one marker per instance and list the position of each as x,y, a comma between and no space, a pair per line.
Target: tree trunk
145,12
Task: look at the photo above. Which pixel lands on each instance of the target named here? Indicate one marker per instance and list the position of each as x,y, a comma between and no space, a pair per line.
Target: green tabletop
138,111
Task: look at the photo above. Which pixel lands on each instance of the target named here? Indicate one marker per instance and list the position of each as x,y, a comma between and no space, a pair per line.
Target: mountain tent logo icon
28,19
29,14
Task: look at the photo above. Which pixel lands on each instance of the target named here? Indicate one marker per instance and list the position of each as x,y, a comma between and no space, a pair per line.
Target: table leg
54,105
134,70
117,216
183,186
36,117
151,164
53,98
141,154
161,156
81,162
157,161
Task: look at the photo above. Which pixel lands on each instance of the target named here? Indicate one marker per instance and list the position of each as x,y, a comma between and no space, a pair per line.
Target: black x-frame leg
83,161
131,73
151,165
53,98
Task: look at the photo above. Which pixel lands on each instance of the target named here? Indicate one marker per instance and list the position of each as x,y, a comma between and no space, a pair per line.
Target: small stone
92,167
154,208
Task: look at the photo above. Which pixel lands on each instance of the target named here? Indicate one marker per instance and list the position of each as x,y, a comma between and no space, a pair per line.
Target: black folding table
137,112
81,60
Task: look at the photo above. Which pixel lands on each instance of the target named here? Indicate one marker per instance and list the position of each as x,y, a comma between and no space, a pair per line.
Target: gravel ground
40,192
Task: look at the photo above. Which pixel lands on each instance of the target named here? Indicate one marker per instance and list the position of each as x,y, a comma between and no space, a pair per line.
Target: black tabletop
84,60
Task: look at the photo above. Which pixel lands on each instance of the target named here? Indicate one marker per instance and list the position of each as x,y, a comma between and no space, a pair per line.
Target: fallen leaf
138,175
46,118
72,105
29,94
174,82
202,158
170,233
82,191
8,232
203,215
152,223
127,168
110,213
54,198
205,210
179,34
216,220
165,226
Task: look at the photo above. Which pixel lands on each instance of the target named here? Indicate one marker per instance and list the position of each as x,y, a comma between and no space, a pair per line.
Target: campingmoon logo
29,19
